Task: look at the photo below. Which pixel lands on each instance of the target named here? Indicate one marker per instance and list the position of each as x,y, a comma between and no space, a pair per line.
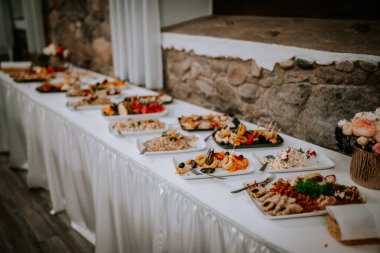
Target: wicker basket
365,169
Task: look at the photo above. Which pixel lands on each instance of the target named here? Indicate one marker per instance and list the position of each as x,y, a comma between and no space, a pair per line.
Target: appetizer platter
106,84
240,137
89,103
170,142
293,159
38,75
133,109
136,126
50,88
161,98
75,94
222,163
306,196
196,122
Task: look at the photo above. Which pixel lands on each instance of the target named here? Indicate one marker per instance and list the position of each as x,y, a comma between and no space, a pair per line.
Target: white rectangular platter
197,145
320,162
218,172
281,217
125,134
137,116
85,107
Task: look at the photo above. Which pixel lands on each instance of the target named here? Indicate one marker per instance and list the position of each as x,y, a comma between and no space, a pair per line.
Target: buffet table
126,202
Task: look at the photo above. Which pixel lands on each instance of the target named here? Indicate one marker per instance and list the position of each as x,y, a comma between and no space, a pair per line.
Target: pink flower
362,127
376,148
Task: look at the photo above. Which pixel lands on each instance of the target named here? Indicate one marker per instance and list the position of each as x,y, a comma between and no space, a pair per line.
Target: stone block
288,64
296,76
305,64
255,69
345,66
227,100
249,92
236,74
271,80
325,75
196,69
367,66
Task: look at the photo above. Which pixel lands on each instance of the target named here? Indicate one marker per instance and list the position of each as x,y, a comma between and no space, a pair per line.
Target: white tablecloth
128,202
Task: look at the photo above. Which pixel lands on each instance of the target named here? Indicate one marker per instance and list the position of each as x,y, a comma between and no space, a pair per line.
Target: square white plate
218,172
197,145
320,162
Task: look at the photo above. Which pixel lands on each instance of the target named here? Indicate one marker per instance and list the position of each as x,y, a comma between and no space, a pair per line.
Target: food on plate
159,99
108,84
47,87
133,125
132,107
105,90
169,141
212,160
307,193
243,137
89,101
289,158
204,122
40,74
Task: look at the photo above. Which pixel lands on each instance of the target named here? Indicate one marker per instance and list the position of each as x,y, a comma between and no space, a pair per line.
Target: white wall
176,11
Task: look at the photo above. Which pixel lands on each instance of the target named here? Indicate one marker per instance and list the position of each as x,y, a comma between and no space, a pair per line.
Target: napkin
359,221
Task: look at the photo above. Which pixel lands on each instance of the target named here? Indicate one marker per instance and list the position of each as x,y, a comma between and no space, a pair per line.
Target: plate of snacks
170,142
293,159
133,109
89,103
240,137
126,127
50,88
207,122
160,98
221,163
304,196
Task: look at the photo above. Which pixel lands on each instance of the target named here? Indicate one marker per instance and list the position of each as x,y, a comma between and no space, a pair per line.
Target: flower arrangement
362,132
56,50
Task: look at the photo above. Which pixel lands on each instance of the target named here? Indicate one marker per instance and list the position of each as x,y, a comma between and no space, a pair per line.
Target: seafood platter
221,163
50,88
305,196
240,137
93,102
196,122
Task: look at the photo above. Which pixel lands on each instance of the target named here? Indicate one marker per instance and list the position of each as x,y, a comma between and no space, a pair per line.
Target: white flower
362,140
347,129
50,50
342,123
377,113
66,53
370,116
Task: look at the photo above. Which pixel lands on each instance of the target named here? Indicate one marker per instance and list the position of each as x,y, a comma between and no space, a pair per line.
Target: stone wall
306,99
84,28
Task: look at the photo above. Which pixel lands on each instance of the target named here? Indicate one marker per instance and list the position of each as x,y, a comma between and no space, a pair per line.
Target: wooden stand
365,169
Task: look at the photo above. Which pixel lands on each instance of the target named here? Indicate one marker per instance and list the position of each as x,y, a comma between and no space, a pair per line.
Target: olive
241,156
227,153
193,164
181,165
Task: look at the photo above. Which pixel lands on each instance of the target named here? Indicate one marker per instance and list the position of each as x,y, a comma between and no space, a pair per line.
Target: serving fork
213,132
208,174
266,181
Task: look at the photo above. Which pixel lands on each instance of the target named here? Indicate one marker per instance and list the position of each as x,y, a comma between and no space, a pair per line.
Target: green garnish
313,189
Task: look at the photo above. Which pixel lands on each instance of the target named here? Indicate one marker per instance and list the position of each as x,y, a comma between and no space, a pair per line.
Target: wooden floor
25,222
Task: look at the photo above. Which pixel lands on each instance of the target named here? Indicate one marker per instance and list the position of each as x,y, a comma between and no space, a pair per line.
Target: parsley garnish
313,189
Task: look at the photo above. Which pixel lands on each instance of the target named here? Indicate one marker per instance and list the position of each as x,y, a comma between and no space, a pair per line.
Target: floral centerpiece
57,55
361,136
